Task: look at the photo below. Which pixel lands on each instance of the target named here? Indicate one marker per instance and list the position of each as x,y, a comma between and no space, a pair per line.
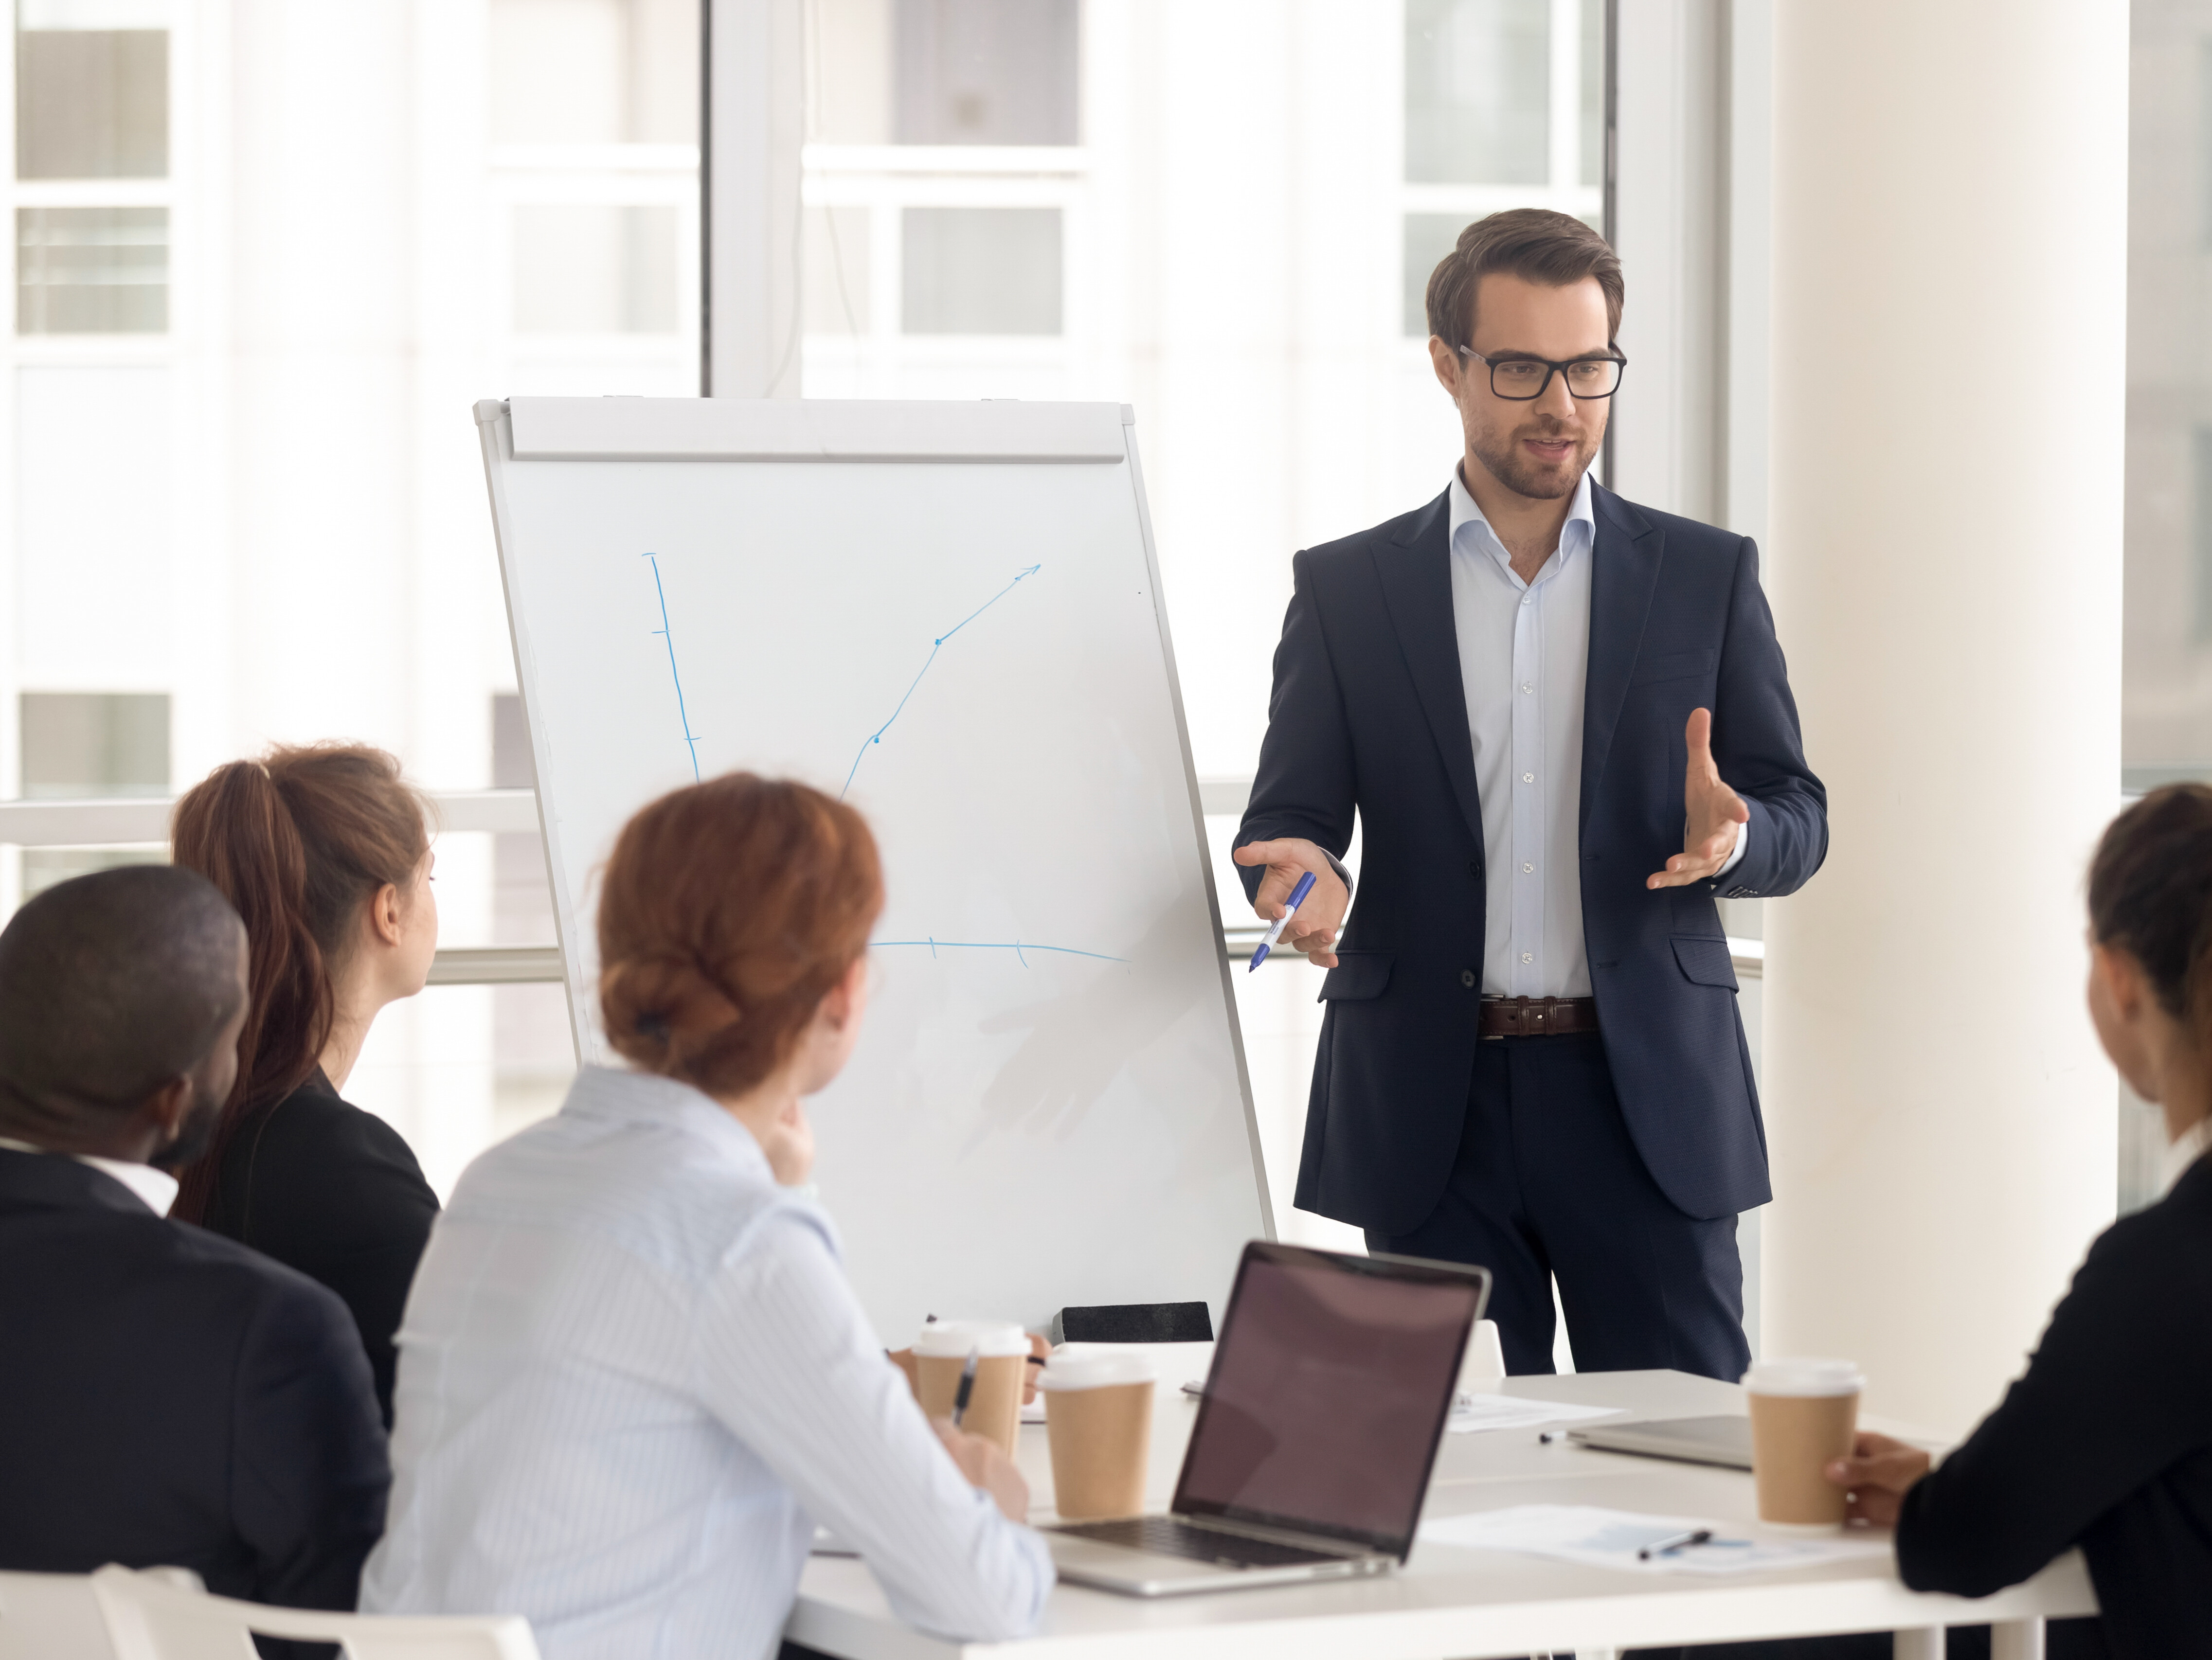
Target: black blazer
1369,713
170,1397
335,1192
2105,1442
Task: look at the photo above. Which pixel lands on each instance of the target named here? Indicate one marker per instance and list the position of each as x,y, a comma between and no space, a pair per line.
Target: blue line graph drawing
690,737
1017,946
876,736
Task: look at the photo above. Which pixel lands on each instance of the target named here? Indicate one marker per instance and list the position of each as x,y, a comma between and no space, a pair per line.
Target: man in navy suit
1565,725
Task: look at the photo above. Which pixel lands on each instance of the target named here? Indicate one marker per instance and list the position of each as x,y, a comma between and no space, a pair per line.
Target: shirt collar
1581,510
2184,1151
154,1188
617,1092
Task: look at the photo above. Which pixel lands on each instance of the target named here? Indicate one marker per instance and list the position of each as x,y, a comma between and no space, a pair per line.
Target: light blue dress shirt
1524,661
633,1378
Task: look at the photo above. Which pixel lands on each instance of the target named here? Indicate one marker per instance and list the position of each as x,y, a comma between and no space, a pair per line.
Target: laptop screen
1328,1393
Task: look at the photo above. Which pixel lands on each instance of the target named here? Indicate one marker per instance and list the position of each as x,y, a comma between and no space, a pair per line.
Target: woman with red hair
634,1376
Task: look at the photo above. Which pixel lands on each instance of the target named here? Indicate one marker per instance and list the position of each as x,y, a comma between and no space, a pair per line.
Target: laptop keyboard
1169,1536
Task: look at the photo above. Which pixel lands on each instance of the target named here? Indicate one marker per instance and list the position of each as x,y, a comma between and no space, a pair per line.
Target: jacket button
1474,867
1466,978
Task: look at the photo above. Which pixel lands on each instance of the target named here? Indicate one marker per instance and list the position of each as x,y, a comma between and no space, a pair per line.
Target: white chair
52,1616
57,1616
149,1621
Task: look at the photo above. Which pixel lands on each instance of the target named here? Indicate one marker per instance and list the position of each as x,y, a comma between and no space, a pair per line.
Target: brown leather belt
1536,1017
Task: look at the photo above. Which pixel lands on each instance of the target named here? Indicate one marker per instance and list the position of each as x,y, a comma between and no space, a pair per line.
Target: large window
266,259
1504,108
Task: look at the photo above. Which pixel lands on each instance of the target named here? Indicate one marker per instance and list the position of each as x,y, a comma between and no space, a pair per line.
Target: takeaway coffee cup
1803,1413
994,1409
1098,1418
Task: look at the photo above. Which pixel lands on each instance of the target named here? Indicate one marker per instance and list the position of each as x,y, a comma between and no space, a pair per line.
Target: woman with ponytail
323,851
636,1376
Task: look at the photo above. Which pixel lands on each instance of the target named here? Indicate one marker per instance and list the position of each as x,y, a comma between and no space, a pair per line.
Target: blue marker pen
1274,934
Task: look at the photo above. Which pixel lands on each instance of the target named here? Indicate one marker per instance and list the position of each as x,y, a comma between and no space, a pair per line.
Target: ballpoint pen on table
1673,1542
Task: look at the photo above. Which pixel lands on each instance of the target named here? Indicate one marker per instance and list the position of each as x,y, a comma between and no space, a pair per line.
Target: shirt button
1527,685
1527,868
1527,777
1526,600
1467,977
1527,956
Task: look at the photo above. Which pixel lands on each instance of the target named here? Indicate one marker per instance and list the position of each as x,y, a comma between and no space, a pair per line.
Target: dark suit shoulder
1683,535
1361,546
129,1249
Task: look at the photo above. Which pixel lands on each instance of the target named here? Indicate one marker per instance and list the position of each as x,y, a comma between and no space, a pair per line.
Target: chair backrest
149,1621
52,1616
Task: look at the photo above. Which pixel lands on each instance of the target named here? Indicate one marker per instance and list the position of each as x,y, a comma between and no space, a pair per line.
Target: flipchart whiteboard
949,615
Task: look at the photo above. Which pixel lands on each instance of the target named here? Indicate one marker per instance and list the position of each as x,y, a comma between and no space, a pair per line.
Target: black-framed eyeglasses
1523,380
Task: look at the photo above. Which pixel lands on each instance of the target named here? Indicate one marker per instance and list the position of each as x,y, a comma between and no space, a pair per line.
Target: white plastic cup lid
1808,1378
959,1338
1089,1367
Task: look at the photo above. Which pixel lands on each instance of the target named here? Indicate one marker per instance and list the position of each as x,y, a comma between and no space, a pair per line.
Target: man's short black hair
111,985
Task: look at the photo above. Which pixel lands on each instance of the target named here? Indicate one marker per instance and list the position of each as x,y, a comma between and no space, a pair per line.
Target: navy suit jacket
167,1397
1369,714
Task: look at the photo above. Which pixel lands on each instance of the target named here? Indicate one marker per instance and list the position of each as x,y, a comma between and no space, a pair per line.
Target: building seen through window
85,745
92,157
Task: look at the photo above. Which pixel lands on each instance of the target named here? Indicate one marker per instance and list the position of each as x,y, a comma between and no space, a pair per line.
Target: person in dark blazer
1562,725
323,851
2105,1441
167,1397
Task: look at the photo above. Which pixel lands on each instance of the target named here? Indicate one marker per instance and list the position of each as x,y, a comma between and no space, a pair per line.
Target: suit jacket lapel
1625,570
1416,577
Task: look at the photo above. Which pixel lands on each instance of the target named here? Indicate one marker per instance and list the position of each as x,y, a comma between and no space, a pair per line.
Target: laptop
1725,1441
1331,1382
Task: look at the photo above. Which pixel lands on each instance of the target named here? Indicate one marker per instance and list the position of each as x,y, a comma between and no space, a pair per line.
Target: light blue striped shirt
1524,661
633,1378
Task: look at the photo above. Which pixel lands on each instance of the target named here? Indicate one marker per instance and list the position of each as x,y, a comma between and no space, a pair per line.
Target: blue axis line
690,738
876,736
1017,947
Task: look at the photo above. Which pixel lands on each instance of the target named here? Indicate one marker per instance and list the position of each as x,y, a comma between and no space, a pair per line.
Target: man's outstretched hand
1713,815
1313,930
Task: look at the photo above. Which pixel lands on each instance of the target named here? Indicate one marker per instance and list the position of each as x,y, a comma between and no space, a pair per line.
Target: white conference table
1449,1604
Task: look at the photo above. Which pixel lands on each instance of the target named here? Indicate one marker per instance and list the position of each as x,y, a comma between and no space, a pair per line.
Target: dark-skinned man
168,1397
1563,723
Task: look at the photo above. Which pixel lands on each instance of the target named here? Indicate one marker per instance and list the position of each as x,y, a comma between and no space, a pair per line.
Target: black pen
1678,1541
967,1387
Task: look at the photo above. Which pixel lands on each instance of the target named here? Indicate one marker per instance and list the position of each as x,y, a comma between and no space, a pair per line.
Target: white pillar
1950,301
753,124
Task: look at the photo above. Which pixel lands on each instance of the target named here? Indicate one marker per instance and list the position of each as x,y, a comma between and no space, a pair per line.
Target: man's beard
1511,467
193,1134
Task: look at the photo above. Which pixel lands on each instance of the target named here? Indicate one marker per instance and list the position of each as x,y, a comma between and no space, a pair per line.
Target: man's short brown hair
1534,243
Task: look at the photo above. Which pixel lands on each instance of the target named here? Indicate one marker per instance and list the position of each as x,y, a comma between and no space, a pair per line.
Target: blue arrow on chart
690,738
876,736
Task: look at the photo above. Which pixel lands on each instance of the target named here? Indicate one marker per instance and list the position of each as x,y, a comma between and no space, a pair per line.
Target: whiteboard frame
1002,431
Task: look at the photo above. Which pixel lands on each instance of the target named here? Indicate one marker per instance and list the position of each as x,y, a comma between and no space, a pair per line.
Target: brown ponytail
727,912
2150,893
298,842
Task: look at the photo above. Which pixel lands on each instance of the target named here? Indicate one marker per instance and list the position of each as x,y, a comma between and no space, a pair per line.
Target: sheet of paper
1611,1538
1476,1412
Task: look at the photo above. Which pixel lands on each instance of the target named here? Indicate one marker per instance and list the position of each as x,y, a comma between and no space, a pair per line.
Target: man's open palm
1713,815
